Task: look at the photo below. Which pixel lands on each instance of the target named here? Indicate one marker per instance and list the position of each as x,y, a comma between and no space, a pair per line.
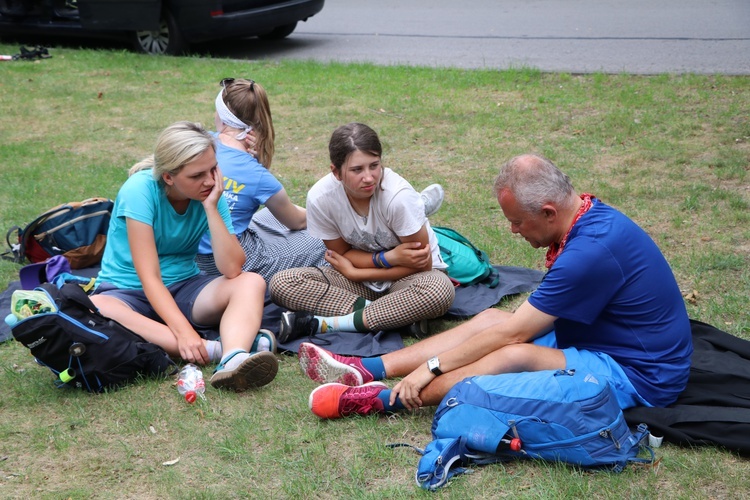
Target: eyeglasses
228,81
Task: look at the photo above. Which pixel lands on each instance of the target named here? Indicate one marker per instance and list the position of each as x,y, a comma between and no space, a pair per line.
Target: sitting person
275,237
385,270
149,281
609,295
241,107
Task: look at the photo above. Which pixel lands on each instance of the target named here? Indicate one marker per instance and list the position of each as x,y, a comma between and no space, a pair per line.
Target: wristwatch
433,364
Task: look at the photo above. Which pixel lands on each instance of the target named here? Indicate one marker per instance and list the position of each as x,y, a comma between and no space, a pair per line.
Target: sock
236,360
264,344
348,323
384,396
214,350
375,367
361,303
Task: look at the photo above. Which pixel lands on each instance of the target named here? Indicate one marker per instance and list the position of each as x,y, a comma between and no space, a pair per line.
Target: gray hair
534,180
176,146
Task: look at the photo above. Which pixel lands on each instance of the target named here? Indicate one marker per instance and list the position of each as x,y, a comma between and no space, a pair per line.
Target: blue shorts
184,293
600,365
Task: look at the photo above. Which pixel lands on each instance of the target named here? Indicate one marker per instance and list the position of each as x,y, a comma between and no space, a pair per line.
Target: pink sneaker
339,400
326,367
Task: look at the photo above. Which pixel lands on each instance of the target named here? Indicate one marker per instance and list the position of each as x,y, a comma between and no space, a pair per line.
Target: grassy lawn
672,152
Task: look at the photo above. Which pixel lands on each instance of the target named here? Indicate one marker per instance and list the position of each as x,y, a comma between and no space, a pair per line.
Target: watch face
433,363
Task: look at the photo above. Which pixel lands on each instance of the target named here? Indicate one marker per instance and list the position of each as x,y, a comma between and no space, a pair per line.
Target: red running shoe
325,367
339,400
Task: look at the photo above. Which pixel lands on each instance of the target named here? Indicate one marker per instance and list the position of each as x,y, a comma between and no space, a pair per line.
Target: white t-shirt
396,210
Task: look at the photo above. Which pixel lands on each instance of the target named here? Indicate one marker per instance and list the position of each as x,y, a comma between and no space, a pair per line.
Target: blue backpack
467,264
555,415
77,230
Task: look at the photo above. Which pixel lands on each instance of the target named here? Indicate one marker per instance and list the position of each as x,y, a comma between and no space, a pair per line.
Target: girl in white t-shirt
385,266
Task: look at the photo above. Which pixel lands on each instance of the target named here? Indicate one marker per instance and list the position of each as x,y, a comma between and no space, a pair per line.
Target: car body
157,26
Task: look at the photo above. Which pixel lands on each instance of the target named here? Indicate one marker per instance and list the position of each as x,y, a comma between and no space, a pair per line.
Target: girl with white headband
275,237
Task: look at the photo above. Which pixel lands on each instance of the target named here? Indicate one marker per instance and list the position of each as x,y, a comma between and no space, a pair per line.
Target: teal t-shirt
177,236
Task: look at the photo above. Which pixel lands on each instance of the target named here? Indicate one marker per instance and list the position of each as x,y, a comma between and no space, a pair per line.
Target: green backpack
466,263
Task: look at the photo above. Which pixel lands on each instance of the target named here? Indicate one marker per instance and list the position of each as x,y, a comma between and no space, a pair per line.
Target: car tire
167,40
279,32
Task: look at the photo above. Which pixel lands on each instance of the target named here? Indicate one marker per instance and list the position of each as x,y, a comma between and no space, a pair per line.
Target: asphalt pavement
576,36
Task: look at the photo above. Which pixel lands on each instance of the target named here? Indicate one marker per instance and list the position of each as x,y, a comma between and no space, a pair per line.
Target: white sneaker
432,196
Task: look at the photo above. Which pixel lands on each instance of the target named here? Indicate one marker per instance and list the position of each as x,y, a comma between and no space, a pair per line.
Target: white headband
228,118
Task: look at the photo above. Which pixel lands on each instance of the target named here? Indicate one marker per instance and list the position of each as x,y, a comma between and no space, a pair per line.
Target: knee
437,288
518,357
290,279
252,282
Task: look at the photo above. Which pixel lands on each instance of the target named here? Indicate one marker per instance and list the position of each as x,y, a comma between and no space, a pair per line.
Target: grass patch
671,151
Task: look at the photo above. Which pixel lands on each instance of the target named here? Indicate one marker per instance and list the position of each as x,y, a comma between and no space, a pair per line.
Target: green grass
671,151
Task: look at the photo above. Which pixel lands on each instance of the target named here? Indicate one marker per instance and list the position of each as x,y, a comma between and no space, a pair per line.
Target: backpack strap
14,252
443,459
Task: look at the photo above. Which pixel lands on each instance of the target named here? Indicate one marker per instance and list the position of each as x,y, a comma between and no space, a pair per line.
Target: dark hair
352,137
249,102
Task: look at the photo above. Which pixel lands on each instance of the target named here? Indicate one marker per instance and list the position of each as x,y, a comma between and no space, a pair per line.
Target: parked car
157,26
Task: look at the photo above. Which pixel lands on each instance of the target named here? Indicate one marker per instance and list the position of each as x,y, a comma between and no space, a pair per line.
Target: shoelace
311,330
359,400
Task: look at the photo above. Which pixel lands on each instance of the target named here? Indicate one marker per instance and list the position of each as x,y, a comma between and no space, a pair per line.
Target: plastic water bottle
190,383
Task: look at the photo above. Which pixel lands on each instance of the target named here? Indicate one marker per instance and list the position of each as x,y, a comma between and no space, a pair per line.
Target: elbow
301,221
233,274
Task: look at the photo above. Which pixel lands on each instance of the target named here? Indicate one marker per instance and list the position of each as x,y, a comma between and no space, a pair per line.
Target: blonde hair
176,146
248,101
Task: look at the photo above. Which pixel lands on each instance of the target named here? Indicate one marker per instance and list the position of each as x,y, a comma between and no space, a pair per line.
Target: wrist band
384,262
378,261
375,260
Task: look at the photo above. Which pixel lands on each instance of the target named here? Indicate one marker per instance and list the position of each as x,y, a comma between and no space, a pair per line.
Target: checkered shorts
326,292
271,247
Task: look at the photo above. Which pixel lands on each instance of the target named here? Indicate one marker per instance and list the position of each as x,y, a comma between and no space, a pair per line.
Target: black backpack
85,349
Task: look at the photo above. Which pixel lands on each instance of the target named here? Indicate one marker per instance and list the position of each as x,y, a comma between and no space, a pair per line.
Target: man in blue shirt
609,304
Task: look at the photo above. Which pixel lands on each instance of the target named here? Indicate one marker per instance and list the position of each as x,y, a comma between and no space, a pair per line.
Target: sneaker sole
256,371
324,386
322,368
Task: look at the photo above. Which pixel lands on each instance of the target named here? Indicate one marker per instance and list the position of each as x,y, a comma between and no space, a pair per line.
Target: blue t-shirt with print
247,186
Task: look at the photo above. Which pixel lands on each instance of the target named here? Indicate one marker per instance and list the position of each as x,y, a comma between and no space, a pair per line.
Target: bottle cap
11,319
190,396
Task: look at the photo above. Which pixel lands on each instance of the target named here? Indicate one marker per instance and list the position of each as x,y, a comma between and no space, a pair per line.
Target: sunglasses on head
228,81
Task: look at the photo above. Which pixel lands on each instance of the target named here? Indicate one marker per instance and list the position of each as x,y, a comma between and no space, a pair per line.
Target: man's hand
408,389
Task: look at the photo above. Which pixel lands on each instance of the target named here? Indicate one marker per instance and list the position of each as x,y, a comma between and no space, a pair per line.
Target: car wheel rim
154,42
